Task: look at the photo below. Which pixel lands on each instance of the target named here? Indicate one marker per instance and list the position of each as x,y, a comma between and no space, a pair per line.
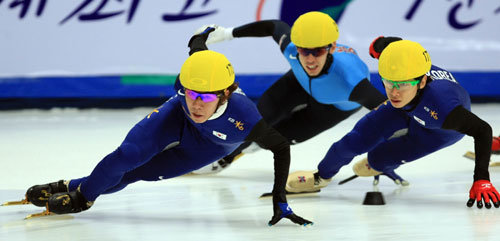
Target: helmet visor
316,52
205,97
399,85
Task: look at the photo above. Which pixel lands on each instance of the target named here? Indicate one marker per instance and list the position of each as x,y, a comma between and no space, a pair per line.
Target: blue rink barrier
122,87
480,85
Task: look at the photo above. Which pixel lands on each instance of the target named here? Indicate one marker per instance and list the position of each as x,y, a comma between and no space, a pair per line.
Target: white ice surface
43,146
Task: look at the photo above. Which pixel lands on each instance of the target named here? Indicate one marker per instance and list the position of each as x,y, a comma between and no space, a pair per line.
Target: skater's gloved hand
392,175
218,35
282,210
197,42
206,33
483,189
379,44
202,28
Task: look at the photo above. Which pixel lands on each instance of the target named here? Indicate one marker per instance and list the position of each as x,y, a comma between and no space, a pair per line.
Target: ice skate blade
470,155
291,194
42,214
12,203
495,164
349,179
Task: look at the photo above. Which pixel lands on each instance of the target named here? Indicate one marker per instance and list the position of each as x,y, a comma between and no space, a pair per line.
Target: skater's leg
417,143
311,121
279,101
74,183
163,166
369,131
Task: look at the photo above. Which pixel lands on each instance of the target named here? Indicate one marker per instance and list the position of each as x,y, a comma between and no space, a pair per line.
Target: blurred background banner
123,49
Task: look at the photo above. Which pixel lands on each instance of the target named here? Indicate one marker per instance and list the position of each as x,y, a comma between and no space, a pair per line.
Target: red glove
379,44
483,189
495,145
372,52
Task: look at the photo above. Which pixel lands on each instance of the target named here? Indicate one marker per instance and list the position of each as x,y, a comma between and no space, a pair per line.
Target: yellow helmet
403,60
206,71
313,30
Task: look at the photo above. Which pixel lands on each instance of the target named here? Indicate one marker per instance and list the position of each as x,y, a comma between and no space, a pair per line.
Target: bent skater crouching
189,131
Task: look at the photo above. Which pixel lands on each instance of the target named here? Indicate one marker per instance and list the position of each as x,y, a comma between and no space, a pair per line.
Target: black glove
197,42
282,210
379,44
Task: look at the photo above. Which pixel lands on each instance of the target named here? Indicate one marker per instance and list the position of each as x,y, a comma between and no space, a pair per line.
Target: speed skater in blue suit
427,110
207,119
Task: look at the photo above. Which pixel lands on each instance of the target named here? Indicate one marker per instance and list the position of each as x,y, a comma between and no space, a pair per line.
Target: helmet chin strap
221,108
414,102
183,102
221,101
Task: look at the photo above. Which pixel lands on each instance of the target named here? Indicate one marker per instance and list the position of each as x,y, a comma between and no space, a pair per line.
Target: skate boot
68,202
305,181
40,194
363,169
495,145
320,182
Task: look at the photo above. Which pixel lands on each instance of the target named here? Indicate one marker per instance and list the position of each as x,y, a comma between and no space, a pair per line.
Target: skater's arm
270,139
466,122
367,95
279,30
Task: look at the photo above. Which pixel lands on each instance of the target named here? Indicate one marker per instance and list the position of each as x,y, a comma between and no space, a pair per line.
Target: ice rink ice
40,146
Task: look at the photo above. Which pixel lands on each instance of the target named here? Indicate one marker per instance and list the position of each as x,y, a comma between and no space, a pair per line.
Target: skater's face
400,95
202,105
313,60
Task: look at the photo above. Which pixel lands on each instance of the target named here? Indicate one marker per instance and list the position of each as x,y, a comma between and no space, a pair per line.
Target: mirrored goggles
399,85
205,97
315,51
